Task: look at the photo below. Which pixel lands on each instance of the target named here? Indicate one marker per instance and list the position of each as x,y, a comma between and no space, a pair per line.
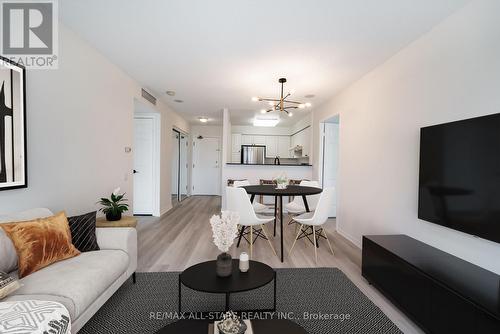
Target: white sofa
83,283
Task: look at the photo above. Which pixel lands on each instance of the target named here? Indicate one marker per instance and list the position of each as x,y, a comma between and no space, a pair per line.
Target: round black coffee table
271,326
270,190
202,277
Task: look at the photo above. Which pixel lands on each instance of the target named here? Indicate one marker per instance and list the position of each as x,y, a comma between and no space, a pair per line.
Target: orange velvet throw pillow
41,242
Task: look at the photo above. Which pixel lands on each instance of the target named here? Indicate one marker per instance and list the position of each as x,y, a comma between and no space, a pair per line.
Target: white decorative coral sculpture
224,229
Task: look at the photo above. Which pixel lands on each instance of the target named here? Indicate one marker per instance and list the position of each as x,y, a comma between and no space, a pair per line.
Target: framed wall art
13,163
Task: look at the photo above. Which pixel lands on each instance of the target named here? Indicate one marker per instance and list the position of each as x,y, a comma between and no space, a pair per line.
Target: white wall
206,131
258,130
450,73
301,124
79,121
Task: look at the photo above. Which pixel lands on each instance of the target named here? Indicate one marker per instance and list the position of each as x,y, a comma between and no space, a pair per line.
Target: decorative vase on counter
112,217
224,265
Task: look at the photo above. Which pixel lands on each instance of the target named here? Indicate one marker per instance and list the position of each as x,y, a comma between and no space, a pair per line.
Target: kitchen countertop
271,165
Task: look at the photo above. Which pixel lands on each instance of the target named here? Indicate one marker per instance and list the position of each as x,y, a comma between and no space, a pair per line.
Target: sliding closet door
175,167
180,146
183,166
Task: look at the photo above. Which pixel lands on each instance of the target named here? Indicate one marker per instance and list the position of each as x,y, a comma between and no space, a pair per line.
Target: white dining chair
238,201
315,220
296,207
258,207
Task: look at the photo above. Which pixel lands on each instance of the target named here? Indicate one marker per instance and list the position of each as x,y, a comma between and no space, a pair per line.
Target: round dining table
271,190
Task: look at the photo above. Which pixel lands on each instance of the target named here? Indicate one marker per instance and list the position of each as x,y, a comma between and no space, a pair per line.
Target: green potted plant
114,206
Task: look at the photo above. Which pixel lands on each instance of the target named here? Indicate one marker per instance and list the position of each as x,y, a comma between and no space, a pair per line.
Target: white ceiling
220,53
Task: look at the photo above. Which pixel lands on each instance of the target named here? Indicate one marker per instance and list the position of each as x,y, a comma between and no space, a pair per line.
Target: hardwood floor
183,237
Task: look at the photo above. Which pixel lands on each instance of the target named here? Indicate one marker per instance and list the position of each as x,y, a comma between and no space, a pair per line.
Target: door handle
135,172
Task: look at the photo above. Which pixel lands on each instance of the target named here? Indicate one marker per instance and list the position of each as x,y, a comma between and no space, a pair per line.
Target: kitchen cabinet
236,157
259,140
302,138
246,140
306,142
283,147
236,147
271,146
253,140
236,143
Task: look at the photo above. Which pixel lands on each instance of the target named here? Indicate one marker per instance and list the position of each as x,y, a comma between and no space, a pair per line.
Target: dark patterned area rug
322,300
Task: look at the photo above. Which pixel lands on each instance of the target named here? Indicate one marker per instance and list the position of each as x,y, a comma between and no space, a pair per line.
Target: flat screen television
459,183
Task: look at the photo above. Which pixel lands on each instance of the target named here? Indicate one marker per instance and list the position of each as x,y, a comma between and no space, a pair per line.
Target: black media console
440,292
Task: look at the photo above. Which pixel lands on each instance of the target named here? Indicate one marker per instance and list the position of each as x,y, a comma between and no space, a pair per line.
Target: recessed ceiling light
263,111
255,99
309,96
302,106
308,104
290,114
178,101
203,119
268,122
170,93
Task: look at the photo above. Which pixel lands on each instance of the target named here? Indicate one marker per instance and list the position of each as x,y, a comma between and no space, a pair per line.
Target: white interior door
206,169
143,166
330,160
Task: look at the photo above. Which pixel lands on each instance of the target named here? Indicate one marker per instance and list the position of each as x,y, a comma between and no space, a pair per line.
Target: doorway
180,146
330,157
206,166
146,164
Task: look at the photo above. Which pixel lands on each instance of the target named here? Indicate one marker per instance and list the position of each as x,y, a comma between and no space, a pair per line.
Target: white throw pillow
8,255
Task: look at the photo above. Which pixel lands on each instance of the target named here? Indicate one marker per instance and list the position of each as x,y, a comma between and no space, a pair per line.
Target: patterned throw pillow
8,284
41,242
83,232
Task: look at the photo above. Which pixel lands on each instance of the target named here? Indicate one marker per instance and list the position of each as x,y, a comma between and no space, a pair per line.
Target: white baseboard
349,237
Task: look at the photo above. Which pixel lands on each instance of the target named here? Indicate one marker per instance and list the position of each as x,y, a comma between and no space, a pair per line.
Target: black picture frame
22,163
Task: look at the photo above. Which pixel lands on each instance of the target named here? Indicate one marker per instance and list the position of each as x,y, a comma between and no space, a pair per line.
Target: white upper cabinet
283,147
236,157
271,146
259,140
306,142
236,143
302,138
246,140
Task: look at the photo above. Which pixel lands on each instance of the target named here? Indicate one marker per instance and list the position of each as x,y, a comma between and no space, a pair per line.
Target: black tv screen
459,185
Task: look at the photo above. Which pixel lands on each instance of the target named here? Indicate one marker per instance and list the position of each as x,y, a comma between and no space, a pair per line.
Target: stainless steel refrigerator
253,154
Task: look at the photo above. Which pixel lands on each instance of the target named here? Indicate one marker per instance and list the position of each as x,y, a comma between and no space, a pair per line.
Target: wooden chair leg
291,249
306,238
315,248
251,242
268,239
328,240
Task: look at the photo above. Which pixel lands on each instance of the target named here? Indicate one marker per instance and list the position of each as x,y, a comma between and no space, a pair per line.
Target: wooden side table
126,221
